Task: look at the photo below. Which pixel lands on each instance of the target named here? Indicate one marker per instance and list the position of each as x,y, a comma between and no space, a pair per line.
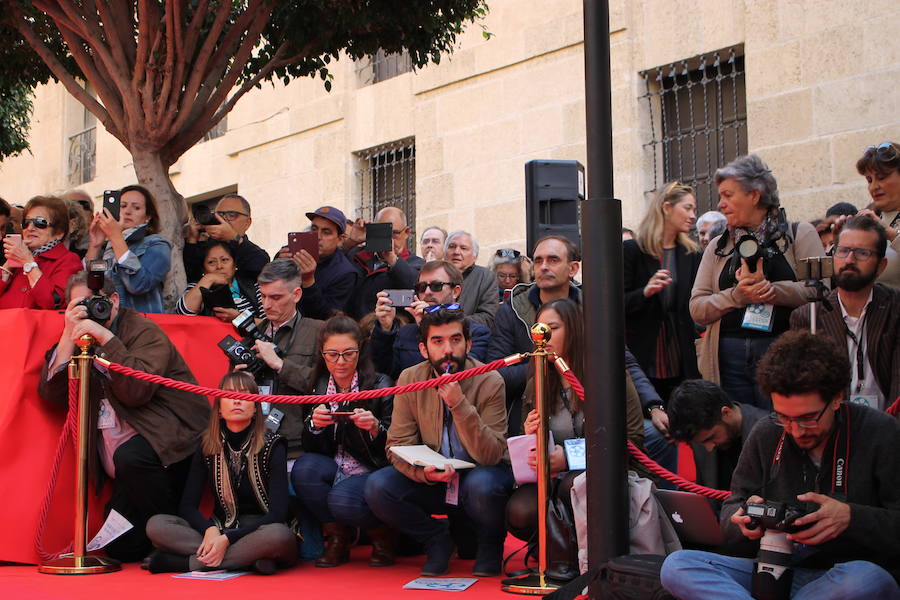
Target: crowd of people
710,303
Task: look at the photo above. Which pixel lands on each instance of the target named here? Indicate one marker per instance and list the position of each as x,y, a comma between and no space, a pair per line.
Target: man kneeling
464,420
835,460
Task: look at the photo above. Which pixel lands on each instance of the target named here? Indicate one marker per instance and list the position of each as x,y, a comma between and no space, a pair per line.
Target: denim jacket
139,278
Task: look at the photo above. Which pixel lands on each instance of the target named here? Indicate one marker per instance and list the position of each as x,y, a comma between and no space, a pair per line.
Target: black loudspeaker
554,190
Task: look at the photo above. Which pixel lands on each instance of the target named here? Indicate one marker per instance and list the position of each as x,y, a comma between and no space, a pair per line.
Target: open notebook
423,456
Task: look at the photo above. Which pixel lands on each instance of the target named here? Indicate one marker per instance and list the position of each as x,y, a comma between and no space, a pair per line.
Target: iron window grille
698,120
380,67
82,156
387,177
218,131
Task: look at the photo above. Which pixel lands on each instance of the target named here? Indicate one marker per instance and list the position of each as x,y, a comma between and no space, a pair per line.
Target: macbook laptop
694,519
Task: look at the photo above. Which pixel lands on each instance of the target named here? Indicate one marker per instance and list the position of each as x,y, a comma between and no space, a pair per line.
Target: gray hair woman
746,286
511,268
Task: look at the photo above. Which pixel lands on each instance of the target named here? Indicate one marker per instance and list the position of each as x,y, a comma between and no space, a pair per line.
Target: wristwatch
27,267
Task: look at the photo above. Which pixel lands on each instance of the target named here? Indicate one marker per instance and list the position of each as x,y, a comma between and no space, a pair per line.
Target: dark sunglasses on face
438,307
434,286
38,222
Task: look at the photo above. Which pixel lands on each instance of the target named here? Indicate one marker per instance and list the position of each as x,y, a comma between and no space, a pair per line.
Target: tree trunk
153,174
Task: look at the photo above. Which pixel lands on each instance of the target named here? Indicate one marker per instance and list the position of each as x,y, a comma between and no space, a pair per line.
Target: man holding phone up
328,277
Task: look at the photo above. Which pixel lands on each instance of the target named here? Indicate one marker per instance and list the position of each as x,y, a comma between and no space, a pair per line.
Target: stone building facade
807,84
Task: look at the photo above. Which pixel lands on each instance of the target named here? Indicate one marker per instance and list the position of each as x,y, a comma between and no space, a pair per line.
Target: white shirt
866,392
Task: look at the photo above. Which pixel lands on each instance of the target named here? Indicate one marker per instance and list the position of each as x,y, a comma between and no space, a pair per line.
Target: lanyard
840,452
860,354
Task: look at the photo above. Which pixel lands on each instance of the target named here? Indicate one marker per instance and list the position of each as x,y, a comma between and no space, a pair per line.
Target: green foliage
15,114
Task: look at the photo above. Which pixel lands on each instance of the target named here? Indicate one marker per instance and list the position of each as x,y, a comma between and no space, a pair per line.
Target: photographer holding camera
834,462
143,434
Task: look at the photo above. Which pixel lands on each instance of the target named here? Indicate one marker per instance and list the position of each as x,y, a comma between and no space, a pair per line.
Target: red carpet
354,580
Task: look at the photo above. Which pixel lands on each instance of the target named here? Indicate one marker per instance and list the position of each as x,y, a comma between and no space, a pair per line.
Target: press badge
759,317
106,417
869,400
452,497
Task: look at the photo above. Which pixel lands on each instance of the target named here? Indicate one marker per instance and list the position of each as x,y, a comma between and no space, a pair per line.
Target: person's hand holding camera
417,309
741,519
223,232
16,251
96,237
266,352
356,234
385,311
111,228
321,417
307,266
192,230
752,286
365,420
830,521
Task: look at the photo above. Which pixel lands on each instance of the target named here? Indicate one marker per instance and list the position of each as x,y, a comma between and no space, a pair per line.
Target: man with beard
836,460
702,414
464,420
864,316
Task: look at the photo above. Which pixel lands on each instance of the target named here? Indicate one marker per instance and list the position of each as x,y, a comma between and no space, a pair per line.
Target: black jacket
872,483
248,258
335,281
358,443
375,275
644,316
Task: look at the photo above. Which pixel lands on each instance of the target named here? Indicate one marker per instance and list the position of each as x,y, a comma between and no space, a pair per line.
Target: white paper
442,584
217,575
423,456
114,526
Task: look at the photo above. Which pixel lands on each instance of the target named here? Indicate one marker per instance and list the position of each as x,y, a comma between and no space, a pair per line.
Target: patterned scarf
48,246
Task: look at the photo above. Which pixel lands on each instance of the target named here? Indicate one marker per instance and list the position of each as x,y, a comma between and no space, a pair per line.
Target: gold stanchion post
539,584
79,562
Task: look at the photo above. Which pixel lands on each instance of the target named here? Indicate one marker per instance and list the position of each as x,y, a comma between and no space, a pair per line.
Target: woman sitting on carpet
246,468
344,443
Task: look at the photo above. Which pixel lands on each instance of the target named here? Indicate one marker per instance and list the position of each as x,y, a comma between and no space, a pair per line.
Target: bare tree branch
123,26
145,20
110,32
172,33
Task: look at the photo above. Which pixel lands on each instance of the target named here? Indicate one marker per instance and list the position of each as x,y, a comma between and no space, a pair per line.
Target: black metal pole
604,308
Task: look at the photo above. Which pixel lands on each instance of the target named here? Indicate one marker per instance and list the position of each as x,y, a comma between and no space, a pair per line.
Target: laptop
692,516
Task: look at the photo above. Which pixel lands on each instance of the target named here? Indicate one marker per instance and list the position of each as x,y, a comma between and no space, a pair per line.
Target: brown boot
382,547
337,550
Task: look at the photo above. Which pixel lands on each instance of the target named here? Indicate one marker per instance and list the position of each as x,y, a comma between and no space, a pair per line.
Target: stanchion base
79,565
529,585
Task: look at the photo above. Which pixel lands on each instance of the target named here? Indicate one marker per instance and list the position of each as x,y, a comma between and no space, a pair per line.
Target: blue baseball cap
335,215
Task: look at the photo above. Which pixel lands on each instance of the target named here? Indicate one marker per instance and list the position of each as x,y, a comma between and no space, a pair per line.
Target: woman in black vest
246,468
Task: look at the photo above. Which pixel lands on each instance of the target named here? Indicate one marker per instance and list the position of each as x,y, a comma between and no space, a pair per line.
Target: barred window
218,131
82,157
380,66
387,177
698,120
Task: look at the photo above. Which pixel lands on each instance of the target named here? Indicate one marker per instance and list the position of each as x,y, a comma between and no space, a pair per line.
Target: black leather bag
629,577
562,542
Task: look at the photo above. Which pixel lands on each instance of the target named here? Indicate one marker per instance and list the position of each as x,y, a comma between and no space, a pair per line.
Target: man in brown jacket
144,434
464,420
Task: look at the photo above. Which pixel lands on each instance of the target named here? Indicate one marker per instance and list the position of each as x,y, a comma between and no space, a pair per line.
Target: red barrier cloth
30,427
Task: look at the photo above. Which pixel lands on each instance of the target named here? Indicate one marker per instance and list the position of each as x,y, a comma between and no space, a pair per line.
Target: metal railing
217,131
380,66
82,157
698,120
387,177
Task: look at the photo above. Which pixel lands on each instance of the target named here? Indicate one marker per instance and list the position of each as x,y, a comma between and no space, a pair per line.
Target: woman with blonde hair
246,467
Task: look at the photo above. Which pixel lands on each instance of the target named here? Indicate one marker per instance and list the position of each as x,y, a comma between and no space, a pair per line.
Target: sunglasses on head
38,222
438,307
434,286
85,205
884,150
508,253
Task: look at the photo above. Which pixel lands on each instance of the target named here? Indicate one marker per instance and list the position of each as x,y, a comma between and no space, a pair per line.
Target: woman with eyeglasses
37,263
245,468
511,268
227,291
138,258
880,165
343,444
747,285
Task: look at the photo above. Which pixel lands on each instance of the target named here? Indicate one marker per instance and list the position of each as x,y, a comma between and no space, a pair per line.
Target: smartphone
112,202
379,237
339,416
507,294
304,240
15,238
401,298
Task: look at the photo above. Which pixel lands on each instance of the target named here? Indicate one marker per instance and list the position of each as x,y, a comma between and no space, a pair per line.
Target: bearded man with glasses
837,460
395,347
865,315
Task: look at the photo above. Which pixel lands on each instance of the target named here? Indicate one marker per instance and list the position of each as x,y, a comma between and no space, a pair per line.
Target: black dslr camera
204,215
240,352
99,307
772,573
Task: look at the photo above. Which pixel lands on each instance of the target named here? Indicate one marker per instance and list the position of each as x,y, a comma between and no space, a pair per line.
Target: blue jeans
689,574
408,505
313,481
738,358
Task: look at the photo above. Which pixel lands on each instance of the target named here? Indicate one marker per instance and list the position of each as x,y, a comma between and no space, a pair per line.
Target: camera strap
840,452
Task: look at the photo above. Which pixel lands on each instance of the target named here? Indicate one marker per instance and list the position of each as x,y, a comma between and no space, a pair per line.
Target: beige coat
480,418
709,304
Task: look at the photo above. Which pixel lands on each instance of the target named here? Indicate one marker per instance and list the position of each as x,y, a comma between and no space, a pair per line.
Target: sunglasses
508,253
38,222
438,307
434,286
884,150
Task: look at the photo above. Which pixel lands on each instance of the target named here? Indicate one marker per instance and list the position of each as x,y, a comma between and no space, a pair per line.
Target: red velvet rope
648,462
312,398
69,432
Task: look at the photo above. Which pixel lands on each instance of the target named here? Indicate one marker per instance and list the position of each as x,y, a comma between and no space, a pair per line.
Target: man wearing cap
328,283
